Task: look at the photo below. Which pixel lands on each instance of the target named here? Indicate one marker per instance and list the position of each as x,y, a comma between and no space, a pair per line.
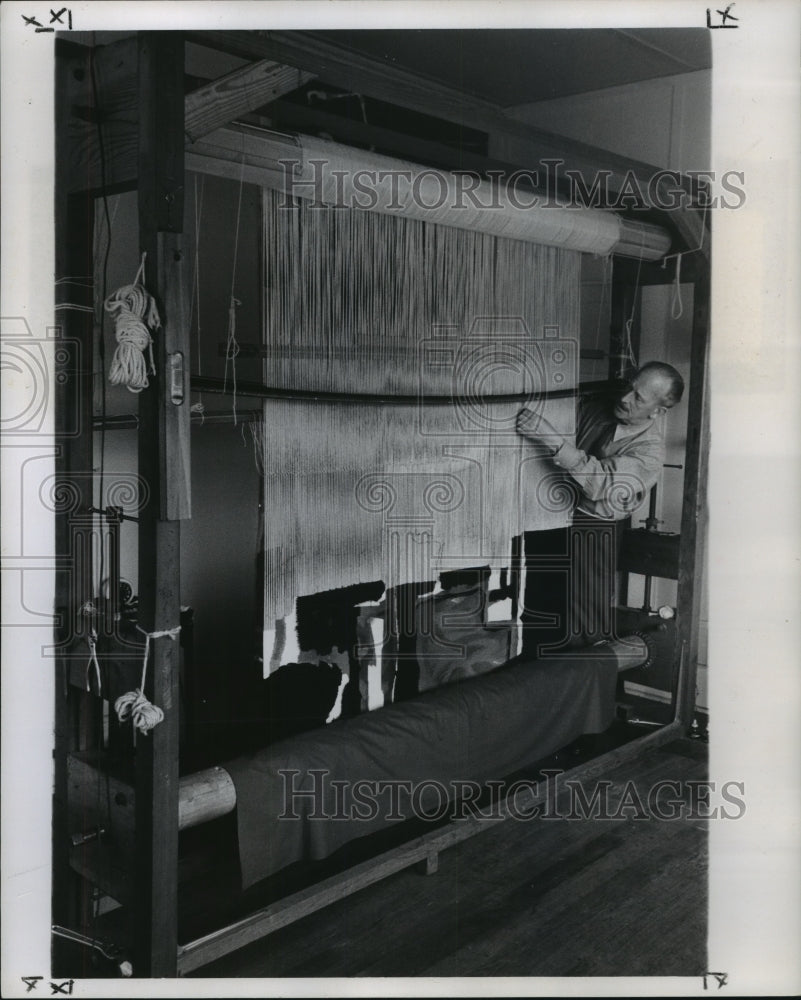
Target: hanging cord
232,347
135,315
134,705
231,350
197,407
92,640
607,260
257,434
629,350
676,305
84,281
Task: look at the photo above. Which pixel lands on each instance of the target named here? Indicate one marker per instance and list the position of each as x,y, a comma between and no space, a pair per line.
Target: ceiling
512,67
506,67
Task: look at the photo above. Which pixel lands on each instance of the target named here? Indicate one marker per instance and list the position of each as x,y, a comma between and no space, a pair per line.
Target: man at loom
617,457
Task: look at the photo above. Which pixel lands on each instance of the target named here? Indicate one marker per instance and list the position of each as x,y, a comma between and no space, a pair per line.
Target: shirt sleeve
619,481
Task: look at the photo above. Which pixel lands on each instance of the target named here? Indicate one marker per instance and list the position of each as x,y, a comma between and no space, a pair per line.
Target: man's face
642,399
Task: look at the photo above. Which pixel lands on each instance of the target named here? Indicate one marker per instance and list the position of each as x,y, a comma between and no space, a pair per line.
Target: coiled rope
134,705
135,316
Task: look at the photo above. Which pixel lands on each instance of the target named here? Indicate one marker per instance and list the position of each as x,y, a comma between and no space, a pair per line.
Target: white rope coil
135,316
133,705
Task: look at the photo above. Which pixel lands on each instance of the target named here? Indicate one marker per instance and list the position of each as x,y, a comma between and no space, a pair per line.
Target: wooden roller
209,794
204,796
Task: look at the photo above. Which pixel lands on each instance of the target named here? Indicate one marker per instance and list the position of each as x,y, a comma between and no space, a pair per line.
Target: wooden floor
623,896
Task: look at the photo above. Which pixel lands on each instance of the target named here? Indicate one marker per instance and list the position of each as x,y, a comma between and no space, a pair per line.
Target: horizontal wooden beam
286,116
204,383
522,143
244,90
365,75
108,78
694,267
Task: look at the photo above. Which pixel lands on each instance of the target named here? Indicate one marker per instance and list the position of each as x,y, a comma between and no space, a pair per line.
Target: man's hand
533,425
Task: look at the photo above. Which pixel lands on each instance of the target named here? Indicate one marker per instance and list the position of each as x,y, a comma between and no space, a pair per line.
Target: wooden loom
154,161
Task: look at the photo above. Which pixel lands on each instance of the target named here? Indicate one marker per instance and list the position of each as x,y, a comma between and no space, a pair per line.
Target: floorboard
563,896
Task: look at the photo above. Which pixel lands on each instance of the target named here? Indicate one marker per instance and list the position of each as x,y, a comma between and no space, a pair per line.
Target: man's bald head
654,388
670,379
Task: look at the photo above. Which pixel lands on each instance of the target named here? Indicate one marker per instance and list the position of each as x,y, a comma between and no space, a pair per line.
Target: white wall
665,121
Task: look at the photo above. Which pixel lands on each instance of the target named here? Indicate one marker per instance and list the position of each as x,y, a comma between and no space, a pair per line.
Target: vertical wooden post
73,394
161,183
694,511
73,465
624,300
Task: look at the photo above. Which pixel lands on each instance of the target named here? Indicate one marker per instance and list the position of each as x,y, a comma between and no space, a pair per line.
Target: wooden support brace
694,511
161,183
175,471
246,89
431,864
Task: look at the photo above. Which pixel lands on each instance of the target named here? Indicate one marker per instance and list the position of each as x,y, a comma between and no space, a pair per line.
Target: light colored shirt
614,482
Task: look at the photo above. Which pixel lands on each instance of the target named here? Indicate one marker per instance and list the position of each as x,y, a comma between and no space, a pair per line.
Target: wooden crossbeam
371,77
518,141
513,143
244,90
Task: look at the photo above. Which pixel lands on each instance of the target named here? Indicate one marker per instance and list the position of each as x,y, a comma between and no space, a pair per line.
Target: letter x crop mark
55,18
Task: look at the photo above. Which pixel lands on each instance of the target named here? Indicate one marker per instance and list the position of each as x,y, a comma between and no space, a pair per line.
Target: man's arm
620,481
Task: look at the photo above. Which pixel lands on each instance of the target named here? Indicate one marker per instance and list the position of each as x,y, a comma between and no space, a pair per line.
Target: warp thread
398,306
134,705
92,641
135,316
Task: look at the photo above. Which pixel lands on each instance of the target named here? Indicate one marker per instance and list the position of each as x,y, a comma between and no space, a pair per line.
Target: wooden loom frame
156,168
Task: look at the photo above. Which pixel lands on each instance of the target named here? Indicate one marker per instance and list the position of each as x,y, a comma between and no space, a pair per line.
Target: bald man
617,456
